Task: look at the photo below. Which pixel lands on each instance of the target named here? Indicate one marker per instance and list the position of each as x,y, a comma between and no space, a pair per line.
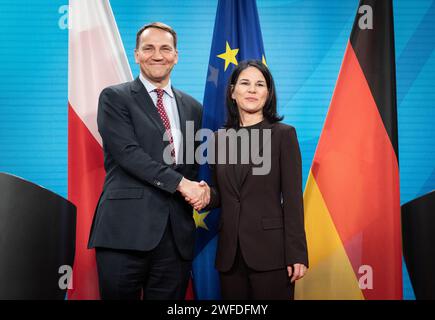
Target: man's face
156,55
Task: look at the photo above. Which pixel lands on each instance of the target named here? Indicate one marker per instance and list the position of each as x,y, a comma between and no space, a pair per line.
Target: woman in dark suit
262,246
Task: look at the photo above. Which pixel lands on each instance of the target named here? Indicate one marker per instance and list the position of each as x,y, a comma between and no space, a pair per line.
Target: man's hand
198,205
197,194
298,270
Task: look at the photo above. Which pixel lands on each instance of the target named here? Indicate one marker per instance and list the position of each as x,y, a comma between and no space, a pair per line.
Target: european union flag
236,37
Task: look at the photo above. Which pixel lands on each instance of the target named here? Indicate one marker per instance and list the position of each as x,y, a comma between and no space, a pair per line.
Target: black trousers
159,274
244,283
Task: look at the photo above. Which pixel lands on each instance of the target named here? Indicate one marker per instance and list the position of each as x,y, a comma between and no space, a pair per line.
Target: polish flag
96,60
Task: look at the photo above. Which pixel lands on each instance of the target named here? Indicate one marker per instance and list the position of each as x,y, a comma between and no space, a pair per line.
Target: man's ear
136,56
176,56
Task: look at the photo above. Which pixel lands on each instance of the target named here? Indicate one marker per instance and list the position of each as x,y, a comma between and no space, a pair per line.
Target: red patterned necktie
165,120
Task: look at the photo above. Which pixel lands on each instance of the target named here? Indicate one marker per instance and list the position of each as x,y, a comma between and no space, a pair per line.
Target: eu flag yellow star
199,219
263,59
229,56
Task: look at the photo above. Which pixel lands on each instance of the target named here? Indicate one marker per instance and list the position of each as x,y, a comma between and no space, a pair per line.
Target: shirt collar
150,87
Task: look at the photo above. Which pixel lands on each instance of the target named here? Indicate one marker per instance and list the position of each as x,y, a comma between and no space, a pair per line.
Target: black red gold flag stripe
352,196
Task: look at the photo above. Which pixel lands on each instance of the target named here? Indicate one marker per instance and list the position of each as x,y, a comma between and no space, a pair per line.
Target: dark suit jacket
139,194
270,230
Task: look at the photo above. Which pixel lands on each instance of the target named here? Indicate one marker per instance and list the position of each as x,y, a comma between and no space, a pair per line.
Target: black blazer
139,194
270,230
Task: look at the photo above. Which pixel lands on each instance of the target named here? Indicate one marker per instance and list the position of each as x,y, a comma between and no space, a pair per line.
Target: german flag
352,197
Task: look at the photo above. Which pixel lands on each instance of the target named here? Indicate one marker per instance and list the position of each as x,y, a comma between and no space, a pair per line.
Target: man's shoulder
188,99
120,88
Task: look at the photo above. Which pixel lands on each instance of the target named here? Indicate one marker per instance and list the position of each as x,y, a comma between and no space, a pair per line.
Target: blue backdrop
304,41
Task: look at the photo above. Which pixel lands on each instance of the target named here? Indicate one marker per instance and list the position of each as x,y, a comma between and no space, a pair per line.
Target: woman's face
250,91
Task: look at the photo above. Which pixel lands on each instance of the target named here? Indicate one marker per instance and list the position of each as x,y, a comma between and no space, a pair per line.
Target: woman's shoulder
283,127
276,126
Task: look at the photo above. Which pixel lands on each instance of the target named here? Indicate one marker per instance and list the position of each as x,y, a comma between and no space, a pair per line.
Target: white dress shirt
170,105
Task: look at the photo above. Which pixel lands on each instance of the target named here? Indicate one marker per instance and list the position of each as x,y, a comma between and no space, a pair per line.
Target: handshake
197,194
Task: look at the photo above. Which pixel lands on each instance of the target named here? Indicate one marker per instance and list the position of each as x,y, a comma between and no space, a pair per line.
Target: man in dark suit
143,230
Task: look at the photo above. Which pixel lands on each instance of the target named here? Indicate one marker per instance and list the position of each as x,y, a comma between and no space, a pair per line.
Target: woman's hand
298,270
201,200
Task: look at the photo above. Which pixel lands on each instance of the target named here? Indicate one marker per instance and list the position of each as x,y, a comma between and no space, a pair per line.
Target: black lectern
37,238
418,225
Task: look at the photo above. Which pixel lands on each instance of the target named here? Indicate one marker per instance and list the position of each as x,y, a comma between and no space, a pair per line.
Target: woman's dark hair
269,110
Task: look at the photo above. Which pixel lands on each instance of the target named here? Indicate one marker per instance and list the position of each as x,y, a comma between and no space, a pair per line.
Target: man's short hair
157,25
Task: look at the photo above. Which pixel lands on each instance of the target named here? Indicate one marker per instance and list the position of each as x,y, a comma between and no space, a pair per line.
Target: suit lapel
231,170
146,104
182,113
248,169
225,170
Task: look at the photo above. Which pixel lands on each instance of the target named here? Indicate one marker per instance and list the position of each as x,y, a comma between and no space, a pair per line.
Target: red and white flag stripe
96,59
